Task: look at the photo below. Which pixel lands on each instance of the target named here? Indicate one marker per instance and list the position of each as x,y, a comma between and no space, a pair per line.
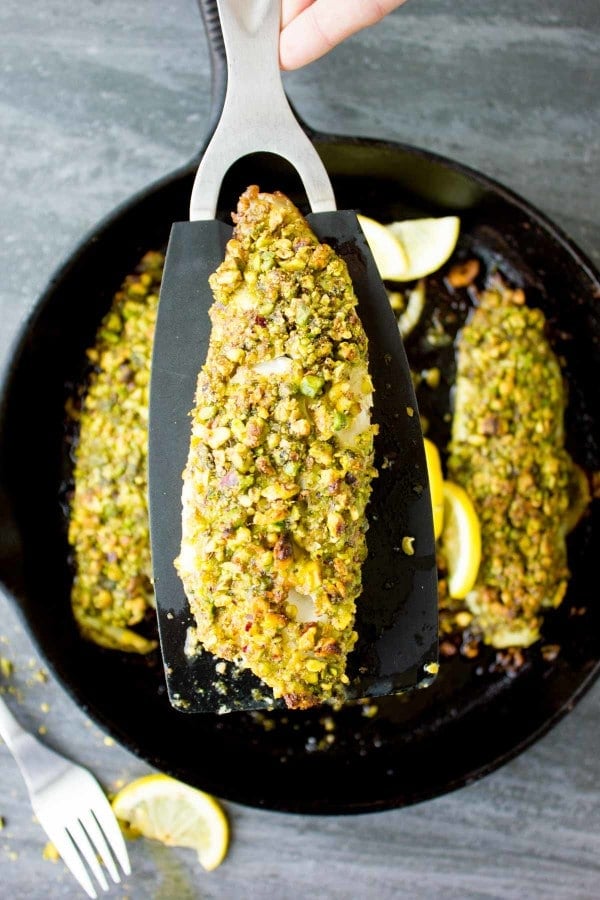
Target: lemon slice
176,815
428,244
461,539
436,485
388,253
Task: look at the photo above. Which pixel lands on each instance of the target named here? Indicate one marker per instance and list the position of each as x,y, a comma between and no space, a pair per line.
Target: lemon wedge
427,243
409,319
436,485
461,540
175,814
388,253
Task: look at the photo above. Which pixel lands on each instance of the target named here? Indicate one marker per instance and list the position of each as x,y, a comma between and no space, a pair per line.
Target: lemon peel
436,485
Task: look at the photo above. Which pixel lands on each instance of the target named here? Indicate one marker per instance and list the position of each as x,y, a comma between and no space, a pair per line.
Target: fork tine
82,842
69,855
107,821
90,824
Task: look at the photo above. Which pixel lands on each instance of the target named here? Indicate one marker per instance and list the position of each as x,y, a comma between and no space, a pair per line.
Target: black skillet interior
473,718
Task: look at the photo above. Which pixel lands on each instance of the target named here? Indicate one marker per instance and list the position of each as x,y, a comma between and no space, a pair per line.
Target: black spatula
397,613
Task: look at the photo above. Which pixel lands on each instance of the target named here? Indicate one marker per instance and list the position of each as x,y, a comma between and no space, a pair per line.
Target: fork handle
10,730
39,764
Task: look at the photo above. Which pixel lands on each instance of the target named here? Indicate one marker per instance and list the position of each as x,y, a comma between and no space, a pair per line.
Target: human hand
312,27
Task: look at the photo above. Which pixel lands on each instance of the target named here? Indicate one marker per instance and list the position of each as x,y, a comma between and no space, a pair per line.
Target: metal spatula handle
256,114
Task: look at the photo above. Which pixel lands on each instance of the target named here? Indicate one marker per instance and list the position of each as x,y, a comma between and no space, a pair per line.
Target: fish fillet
108,528
507,451
281,459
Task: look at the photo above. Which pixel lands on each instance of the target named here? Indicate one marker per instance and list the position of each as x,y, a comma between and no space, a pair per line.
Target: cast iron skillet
419,746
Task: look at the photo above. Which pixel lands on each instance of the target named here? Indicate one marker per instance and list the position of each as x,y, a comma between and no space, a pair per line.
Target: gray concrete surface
99,98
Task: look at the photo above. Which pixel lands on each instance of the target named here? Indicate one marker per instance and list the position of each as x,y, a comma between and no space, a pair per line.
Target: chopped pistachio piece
311,385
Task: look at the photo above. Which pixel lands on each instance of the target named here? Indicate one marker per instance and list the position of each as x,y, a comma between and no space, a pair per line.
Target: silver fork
70,806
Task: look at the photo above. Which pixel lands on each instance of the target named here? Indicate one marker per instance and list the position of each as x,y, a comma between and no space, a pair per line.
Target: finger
325,23
292,8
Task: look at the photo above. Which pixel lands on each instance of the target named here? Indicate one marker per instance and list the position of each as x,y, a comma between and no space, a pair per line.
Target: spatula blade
397,613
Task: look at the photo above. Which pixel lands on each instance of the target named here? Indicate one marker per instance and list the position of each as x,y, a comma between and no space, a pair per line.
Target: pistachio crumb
463,274
407,545
550,652
50,852
431,377
463,619
6,667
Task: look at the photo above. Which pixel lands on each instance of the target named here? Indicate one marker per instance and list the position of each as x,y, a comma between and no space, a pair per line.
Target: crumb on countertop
6,667
50,852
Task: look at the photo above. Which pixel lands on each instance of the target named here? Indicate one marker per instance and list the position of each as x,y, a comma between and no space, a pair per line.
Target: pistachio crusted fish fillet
108,527
281,458
507,451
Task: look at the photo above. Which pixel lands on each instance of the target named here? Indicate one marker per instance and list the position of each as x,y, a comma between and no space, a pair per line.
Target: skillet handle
218,65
